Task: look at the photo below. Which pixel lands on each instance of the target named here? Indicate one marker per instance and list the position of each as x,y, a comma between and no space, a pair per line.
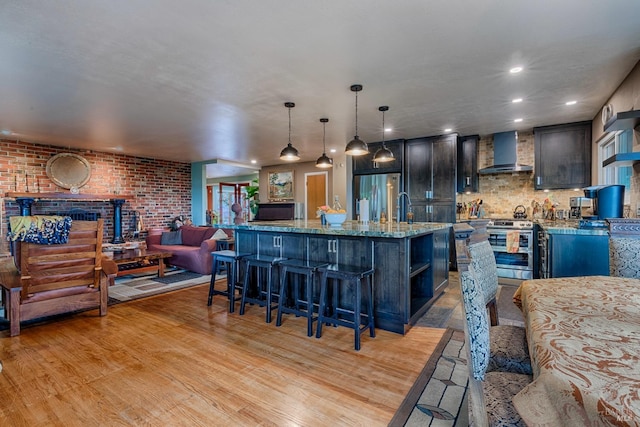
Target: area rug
439,394
127,288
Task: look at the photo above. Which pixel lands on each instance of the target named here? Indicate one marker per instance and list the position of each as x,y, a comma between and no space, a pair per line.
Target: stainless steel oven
512,244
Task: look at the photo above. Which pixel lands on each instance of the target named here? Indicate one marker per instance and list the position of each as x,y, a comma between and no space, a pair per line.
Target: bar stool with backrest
262,289
301,303
231,260
341,276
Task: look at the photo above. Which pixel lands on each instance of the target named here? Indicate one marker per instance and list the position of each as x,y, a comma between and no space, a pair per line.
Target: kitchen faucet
403,193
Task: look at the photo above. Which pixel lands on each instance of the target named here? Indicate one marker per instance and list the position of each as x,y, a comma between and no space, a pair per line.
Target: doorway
316,192
230,193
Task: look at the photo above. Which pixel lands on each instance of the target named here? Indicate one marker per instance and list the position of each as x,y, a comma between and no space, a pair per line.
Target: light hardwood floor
170,360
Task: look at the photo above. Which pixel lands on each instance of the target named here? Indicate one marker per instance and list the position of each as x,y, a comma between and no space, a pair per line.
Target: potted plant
253,197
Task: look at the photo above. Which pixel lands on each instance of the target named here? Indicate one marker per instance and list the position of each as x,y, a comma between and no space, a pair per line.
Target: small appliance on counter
607,200
579,207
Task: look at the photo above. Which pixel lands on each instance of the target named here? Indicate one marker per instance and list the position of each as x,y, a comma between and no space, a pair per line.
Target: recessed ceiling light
388,129
333,150
517,120
515,70
5,132
516,100
571,102
254,162
448,130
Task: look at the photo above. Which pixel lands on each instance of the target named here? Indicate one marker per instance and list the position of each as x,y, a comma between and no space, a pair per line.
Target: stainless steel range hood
505,155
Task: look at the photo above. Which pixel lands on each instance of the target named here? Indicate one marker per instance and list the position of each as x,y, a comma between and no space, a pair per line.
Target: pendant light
324,161
383,154
289,153
356,147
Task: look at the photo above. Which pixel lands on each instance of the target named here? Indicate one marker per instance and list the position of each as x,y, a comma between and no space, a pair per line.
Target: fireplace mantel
67,196
25,200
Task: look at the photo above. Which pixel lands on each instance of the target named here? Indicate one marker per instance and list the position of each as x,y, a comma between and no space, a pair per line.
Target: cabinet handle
277,241
335,246
329,246
468,181
538,180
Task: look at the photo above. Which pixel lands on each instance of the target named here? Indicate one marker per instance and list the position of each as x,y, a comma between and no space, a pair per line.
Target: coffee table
132,261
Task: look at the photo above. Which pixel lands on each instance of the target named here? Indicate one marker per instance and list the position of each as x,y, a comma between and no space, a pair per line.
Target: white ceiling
195,80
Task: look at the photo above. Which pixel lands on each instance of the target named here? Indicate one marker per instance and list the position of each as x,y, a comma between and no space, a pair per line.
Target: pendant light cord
356,113
324,133
383,128
289,125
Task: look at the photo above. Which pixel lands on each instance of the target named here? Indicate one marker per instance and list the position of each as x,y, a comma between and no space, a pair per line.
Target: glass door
230,194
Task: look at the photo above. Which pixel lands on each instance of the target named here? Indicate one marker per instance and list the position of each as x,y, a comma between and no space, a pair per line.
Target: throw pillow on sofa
220,235
171,238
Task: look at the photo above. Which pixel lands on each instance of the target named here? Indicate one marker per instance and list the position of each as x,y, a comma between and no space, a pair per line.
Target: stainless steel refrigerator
382,192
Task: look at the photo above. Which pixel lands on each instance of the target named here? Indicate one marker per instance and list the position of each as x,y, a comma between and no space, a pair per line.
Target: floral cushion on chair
624,257
477,323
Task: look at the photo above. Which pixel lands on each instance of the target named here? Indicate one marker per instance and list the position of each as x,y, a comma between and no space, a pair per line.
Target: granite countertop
569,227
348,228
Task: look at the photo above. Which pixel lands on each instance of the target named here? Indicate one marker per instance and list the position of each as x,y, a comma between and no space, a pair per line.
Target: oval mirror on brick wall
68,170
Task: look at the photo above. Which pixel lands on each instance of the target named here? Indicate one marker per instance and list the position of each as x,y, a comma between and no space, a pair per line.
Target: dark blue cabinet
578,255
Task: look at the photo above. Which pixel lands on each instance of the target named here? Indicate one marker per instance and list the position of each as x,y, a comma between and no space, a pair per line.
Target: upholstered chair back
476,323
624,247
483,262
624,257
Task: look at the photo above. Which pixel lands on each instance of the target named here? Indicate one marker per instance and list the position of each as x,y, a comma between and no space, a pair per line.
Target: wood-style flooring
170,360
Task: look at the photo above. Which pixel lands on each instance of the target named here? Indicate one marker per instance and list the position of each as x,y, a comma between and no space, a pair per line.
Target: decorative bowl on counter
335,219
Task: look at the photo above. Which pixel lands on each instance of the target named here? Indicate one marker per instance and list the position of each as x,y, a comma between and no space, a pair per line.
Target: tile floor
447,310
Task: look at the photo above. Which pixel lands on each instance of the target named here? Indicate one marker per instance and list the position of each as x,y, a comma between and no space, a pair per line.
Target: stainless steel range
512,244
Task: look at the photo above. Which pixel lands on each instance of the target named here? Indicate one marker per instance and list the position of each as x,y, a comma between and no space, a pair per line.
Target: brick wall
161,189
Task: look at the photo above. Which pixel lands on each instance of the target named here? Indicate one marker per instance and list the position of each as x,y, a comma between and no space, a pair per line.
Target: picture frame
280,186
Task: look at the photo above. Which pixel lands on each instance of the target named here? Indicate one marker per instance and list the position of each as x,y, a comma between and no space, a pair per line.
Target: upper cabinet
468,164
430,177
563,156
364,165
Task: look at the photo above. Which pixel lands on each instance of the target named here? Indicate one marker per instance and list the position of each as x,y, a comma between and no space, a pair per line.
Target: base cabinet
568,255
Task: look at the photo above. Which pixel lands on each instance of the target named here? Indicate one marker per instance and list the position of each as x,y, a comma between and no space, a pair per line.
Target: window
615,143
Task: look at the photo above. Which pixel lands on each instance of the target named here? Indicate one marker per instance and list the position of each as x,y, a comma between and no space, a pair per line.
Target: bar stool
264,295
302,304
358,276
230,259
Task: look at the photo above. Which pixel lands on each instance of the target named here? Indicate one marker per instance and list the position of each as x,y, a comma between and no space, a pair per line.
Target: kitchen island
410,261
